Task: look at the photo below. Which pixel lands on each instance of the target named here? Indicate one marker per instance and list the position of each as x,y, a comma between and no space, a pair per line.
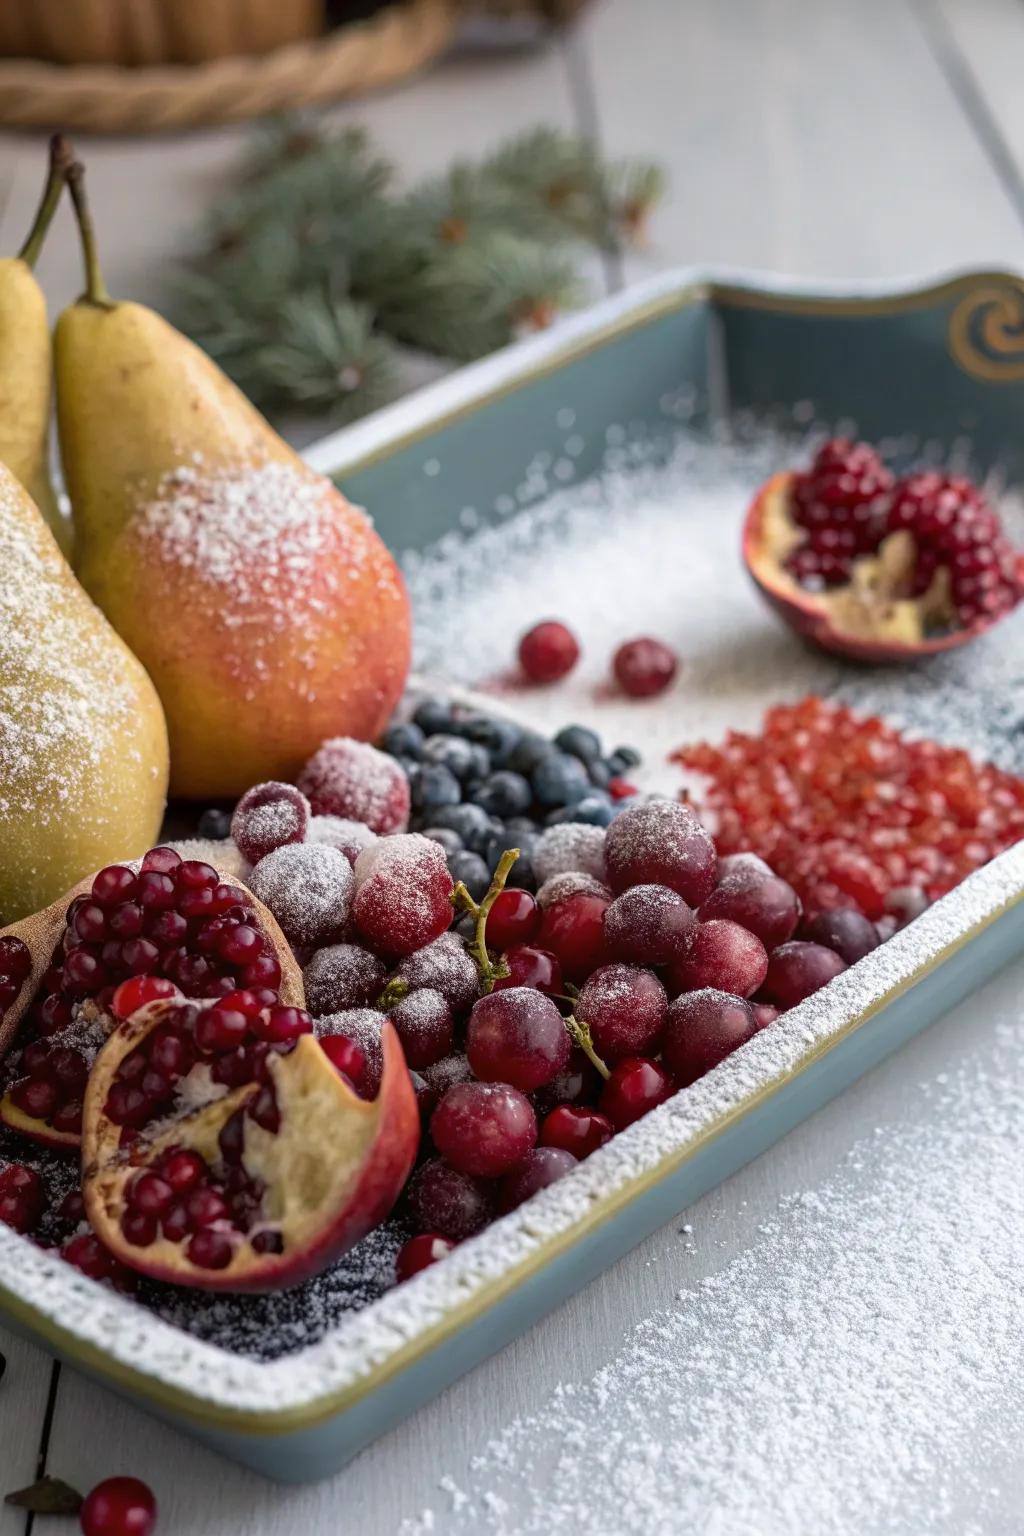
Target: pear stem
95,288
60,163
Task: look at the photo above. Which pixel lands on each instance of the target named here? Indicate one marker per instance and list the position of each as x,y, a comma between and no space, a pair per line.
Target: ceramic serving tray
944,361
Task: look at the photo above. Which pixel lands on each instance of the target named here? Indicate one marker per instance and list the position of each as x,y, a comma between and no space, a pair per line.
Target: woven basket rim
107,98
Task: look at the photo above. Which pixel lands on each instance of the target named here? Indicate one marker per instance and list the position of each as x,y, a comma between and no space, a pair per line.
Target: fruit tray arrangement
430,1003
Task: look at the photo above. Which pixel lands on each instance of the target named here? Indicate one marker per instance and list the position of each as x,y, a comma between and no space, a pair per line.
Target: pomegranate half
177,920
866,619
266,1166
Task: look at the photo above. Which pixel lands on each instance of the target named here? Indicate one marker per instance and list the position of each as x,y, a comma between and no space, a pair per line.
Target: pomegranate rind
897,630
42,932
333,1170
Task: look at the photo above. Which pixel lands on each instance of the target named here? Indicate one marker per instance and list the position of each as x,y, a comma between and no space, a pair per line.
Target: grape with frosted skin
624,1007
517,1036
798,969
661,842
649,925
701,1029
484,1129
723,955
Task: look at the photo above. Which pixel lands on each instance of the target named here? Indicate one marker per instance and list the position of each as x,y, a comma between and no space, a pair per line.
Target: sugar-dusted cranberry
624,1005
23,1197
644,667
531,967
342,976
403,894
573,930
797,969
420,1252
425,1027
702,1028
268,816
845,930
513,919
355,781
751,894
636,1086
648,925
452,1204
661,842
517,1036
539,1169
483,1128
548,652
576,1129
120,1506
722,955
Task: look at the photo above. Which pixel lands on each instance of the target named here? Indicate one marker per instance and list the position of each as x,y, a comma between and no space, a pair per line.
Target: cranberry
576,1129
267,817
403,894
648,925
357,782
635,1086
423,1021
517,1036
661,843
513,919
548,652
573,930
23,1197
625,1009
120,1506
531,967
702,1029
483,1128
749,893
447,1202
844,930
644,667
797,969
722,955
419,1253
538,1169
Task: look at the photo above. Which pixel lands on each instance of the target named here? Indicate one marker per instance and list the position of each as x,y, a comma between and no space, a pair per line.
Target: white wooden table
819,137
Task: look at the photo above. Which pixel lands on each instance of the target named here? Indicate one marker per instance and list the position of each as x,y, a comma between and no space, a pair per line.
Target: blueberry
560,780
579,742
450,752
433,715
622,760
410,767
530,749
450,841
521,873
500,737
600,773
504,793
214,824
403,740
482,765
521,826
597,810
433,787
471,822
472,871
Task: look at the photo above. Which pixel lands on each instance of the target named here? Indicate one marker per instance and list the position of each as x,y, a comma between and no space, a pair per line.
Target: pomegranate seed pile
852,813
848,501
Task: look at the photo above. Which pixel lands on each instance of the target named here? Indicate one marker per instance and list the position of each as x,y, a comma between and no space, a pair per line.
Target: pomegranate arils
15,958
347,1055
644,667
420,1252
548,652
953,526
114,885
841,502
182,1170
22,1197
162,860
120,1506
131,995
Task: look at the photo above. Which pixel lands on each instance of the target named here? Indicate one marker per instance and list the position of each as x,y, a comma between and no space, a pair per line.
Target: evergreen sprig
317,271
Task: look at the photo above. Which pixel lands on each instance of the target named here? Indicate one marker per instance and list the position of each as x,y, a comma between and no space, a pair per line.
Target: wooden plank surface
812,138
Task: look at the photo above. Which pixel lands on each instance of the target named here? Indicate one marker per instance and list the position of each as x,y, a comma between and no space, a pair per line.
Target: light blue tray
938,362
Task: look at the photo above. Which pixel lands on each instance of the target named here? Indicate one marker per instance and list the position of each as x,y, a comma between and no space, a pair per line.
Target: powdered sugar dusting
342,976
570,847
571,883
308,888
446,967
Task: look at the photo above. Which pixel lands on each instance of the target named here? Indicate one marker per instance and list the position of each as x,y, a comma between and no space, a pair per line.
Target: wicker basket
148,66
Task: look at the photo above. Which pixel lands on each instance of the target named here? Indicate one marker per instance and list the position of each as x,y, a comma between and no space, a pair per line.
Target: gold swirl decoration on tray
986,332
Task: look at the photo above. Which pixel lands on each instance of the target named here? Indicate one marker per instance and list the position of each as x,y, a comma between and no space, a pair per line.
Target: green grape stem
490,970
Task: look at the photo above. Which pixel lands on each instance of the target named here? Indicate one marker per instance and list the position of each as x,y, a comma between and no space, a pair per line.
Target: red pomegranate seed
548,652
113,885
210,1249
131,995
345,1054
164,861
279,1025
182,1170
22,1197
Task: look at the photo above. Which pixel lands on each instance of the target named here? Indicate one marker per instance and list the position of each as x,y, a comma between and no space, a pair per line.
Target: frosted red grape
798,969
661,842
723,955
484,1129
539,1169
624,1007
517,1036
703,1028
648,925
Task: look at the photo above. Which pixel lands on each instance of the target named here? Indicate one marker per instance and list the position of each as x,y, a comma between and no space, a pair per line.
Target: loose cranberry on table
420,1252
576,1129
703,1028
798,969
548,651
636,1086
517,1036
724,955
119,1506
484,1129
644,667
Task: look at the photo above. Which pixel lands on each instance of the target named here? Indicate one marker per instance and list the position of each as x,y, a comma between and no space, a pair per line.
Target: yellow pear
26,371
83,744
268,613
